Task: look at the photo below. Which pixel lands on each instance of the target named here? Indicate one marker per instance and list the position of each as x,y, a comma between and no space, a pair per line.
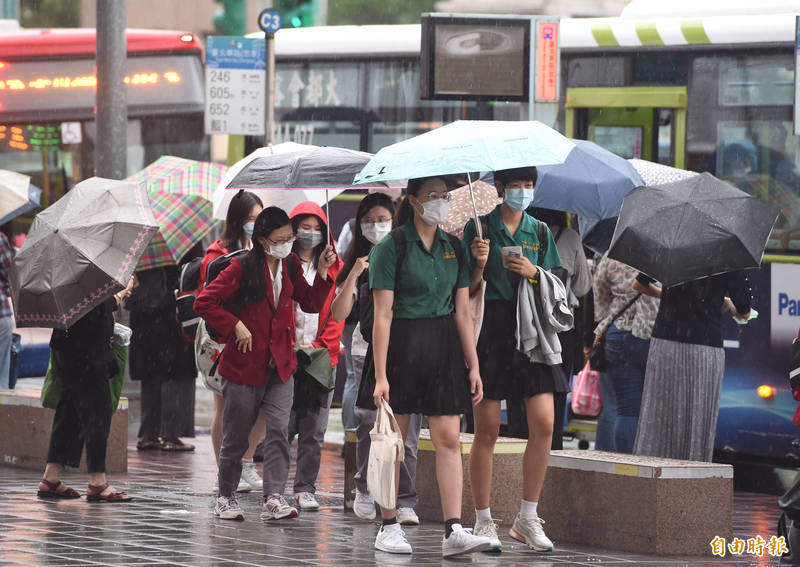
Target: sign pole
269,77
269,21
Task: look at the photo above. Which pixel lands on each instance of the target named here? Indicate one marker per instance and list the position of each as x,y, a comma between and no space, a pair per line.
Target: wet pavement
170,522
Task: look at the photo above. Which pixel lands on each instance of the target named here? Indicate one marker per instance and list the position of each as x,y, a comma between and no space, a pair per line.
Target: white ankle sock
528,509
485,514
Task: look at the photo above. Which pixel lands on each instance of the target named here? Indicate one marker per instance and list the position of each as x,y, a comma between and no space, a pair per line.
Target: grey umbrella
79,251
690,229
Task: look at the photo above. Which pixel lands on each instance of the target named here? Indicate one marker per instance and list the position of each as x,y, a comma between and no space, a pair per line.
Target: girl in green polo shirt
422,335
508,374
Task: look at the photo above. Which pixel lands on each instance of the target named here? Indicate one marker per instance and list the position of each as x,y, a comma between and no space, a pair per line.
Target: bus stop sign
269,20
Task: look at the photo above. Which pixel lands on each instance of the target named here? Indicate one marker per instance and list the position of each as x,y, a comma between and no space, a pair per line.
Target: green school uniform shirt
427,278
502,283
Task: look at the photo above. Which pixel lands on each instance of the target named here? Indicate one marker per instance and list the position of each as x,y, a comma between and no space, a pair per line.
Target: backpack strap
455,242
542,243
400,254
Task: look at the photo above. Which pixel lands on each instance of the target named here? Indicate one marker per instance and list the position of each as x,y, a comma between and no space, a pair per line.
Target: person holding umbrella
315,330
422,334
249,304
85,361
686,363
510,375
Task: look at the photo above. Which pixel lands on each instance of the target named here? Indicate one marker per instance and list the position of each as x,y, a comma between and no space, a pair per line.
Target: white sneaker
306,501
364,506
244,486
530,531
276,508
407,517
464,541
392,540
228,508
488,529
250,476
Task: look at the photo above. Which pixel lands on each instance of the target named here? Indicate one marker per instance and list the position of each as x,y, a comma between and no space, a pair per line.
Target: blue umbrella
465,146
34,201
591,182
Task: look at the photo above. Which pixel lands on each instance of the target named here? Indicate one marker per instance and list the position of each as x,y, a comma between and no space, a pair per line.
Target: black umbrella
690,229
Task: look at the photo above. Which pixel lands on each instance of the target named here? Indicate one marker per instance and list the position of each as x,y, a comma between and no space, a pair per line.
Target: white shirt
306,325
277,282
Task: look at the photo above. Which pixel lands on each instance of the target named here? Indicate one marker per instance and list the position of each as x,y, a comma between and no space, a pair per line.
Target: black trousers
167,409
83,417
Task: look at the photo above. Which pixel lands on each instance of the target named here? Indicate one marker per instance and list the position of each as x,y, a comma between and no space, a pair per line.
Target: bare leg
402,421
449,472
537,451
256,435
216,425
481,457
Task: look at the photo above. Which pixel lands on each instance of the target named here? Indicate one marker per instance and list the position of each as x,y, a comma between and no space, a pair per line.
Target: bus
47,104
706,93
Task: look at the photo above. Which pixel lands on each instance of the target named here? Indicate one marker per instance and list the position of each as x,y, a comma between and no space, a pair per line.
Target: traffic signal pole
112,109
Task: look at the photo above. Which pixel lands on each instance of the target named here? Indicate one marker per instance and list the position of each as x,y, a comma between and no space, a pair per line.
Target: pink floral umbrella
461,210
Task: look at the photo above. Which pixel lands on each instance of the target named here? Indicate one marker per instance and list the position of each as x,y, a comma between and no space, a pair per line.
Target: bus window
763,80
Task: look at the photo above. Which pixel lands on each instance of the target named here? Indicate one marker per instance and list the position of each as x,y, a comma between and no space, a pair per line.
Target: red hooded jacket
331,335
269,321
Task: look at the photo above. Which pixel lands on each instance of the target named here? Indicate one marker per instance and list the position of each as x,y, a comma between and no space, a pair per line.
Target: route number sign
234,85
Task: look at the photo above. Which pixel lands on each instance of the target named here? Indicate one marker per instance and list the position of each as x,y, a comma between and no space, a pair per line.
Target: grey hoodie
537,333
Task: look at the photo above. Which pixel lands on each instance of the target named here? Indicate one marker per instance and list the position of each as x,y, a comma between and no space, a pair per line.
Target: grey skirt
680,402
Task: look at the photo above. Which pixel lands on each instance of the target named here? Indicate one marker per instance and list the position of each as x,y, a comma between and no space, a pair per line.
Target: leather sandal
95,494
148,444
176,445
52,492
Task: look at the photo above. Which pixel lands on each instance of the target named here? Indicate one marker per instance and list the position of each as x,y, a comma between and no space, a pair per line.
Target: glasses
433,196
282,240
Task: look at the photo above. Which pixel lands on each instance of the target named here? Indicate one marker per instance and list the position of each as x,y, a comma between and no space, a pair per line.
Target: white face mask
308,239
375,231
248,229
435,212
280,250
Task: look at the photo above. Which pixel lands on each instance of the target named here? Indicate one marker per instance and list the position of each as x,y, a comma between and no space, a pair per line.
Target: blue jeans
6,327
604,440
350,386
626,359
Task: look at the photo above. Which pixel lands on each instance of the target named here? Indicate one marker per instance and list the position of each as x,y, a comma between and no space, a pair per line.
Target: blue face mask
518,199
248,229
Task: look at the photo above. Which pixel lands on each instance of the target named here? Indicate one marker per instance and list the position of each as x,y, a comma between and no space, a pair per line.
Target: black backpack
215,268
188,284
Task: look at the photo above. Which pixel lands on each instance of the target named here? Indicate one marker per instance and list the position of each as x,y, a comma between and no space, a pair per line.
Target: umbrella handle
474,207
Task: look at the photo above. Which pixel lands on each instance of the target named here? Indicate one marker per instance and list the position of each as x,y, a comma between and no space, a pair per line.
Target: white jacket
537,329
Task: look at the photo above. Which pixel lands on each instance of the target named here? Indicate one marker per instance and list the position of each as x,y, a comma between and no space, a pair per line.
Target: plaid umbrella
181,195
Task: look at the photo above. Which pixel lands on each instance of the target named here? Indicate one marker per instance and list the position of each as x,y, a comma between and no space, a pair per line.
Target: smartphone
511,252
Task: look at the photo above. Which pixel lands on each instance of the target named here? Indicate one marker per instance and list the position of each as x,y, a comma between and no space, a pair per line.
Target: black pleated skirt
425,368
508,374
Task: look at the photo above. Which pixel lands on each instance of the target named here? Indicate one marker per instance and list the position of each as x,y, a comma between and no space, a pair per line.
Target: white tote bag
385,451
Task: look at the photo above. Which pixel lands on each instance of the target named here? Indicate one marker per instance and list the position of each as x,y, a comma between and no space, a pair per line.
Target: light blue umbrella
468,145
592,182
34,201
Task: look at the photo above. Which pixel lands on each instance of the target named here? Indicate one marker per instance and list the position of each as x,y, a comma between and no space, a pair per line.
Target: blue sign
269,20
234,52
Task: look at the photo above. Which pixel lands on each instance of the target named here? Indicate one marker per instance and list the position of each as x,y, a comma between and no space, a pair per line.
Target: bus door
633,122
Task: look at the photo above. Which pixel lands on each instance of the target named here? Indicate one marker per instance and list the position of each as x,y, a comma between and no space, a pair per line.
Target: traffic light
296,13
230,20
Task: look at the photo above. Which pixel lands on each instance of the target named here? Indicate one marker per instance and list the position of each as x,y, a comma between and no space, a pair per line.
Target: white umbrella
13,191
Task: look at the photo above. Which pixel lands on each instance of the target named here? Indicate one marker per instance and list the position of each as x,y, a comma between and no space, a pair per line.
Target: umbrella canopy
79,251
181,193
468,145
596,233
13,191
486,200
690,229
34,201
591,182
286,174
